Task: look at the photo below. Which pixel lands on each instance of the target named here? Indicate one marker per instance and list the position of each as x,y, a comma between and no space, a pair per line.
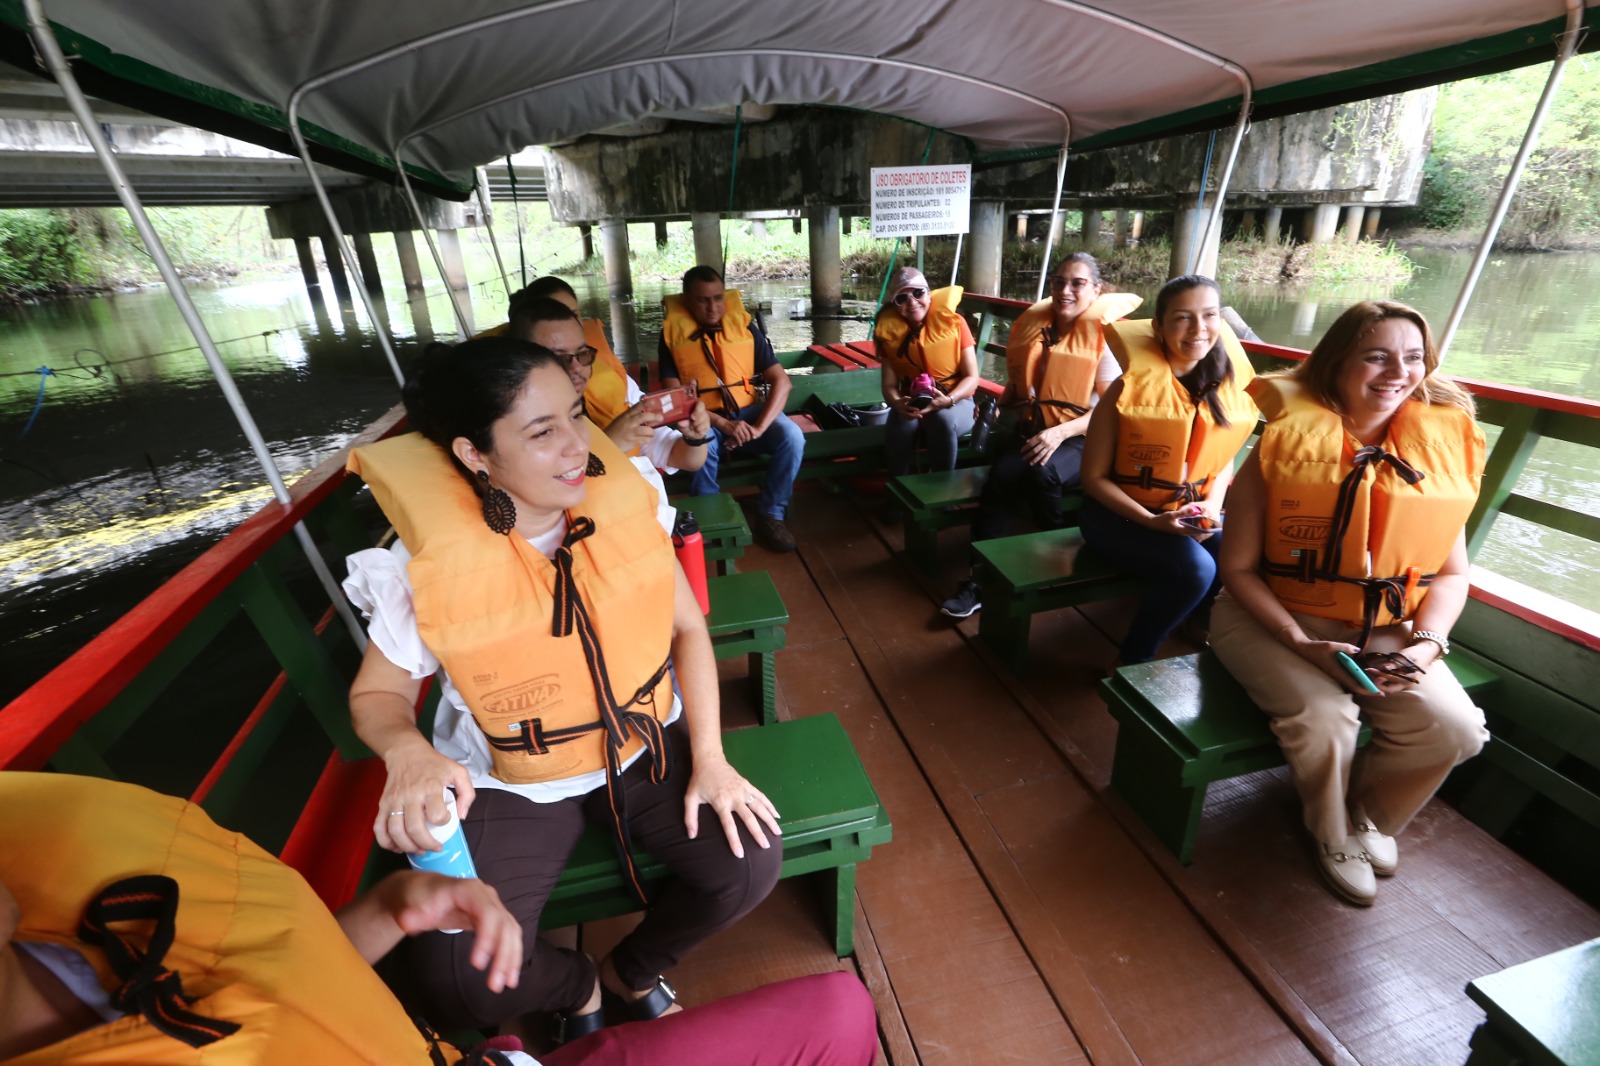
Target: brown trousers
1418,734
520,847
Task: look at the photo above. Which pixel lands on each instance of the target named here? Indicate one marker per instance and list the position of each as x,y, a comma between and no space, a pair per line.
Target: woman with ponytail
1159,456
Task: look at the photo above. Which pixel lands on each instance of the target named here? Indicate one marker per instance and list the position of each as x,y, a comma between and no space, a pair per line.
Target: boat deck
1022,915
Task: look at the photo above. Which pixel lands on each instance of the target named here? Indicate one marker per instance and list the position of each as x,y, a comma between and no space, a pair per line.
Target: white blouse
380,587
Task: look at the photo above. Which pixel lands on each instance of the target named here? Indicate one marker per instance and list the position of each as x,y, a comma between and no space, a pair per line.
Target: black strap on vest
619,719
1377,592
707,336
913,334
148,987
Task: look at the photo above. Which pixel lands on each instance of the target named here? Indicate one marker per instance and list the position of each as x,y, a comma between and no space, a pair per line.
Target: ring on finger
397,814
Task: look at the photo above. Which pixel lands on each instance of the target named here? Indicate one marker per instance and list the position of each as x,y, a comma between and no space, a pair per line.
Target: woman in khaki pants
1345,535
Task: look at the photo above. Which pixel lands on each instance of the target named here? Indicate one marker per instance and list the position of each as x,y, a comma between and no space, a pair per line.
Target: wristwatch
696,442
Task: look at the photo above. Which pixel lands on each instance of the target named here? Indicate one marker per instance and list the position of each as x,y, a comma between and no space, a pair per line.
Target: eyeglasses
583,356
905,296
1076,283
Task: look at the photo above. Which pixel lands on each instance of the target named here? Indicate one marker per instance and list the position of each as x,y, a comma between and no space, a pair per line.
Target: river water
131,464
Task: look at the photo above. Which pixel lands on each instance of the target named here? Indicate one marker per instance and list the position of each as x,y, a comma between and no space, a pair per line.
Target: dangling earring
499,513
594,467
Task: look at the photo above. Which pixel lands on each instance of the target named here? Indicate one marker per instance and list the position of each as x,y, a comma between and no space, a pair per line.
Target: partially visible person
930,370
1346,536
1159,457
1058,366
611,399
95,875
532,567
707,337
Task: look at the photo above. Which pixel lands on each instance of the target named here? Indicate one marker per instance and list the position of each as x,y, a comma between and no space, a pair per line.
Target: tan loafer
1348,872
1382,852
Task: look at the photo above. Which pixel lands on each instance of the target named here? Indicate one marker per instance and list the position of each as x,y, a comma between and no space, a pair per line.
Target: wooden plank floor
1022,915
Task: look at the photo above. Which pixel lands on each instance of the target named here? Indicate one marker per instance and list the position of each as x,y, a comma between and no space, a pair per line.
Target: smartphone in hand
1353,668
1203,522
669,405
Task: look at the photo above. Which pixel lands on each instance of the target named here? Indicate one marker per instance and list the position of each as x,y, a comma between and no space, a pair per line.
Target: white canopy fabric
1005,74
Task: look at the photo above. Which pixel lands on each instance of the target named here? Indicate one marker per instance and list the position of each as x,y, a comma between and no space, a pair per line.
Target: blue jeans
1182,571
783,443
940,429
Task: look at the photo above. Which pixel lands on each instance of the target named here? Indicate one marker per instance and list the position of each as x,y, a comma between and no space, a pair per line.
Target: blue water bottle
453,859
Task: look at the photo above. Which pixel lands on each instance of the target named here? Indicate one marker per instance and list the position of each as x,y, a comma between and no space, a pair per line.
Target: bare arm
890,385
776,377
382,709
686,456
966,377
713,780
1099,454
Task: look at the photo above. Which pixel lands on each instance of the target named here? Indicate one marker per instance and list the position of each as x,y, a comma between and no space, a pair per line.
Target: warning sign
920,201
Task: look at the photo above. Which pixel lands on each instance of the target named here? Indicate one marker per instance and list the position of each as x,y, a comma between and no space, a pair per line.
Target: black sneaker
771,533
967,601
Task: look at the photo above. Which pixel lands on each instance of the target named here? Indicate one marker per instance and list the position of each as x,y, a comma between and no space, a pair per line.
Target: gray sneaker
967,601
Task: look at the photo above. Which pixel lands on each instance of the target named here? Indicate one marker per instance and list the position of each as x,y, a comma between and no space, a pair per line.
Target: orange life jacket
266,973
1356,533
1058,372
934,350
721,363
1168,447
606,395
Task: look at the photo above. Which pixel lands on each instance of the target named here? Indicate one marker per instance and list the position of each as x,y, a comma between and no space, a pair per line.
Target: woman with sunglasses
533,569
1058,366
1159,456
930,370
1347,538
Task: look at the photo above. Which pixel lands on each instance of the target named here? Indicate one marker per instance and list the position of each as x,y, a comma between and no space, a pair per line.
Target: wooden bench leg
922,543
1489,1050
844,912
1004,627
1149,777
764,683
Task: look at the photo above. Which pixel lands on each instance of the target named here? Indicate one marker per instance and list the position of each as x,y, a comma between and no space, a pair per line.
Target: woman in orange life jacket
547,600
1346,535
1058,366
930,370
1158,457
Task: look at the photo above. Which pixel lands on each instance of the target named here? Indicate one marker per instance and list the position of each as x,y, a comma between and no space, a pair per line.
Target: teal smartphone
1353,668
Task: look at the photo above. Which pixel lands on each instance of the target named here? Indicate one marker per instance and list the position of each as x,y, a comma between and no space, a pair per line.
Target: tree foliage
1478,128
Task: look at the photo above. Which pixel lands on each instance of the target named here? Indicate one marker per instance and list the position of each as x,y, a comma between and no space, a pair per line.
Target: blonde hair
1320,371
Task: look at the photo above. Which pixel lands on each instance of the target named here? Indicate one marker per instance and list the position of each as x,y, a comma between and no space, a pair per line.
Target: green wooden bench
829,812
747,618
722,526
1034,572
1186,722
934,501
1545,1012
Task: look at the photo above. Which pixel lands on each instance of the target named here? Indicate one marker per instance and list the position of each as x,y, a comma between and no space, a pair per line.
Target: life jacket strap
1365,459
707,336
1144,478
148,987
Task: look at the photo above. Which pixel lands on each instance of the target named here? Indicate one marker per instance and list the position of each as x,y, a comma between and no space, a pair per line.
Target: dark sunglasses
583,356
905,296
1059,282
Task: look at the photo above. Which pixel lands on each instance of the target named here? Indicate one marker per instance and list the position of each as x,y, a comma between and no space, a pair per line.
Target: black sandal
653,1004
572,1026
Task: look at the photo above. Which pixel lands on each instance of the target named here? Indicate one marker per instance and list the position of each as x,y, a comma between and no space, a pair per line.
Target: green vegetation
1476,132
61,250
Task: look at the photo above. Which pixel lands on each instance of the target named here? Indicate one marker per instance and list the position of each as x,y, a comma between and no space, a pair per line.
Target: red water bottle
691,549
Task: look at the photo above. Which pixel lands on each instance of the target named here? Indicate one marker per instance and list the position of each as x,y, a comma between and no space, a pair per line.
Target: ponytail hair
1215,369
462,390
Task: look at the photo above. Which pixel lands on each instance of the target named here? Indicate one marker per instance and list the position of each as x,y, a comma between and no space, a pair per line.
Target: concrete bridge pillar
455,268
1022,227
624,340
1322,222
988,226
308,267
614,250
1272,224
341,280
827,285
1093,219
797,227
707,229
1136,227
758,228
1187,226
1247,224
368,263
1352,222
586,234
405,247
844,223
1369,224
661,234
1057,221
1119,228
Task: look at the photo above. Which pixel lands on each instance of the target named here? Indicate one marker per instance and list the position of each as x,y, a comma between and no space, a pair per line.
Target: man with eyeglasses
709,338
611,398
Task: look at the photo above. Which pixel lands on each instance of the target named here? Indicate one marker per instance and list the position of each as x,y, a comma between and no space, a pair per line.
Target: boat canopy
451,86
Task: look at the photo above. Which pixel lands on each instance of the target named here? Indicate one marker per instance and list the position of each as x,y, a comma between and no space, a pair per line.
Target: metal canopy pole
481,179
49,50
433,247
1240,128
1569,45
1050,235
955,268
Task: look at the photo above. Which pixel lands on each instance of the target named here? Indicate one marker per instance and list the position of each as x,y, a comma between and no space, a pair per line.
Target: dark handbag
831,415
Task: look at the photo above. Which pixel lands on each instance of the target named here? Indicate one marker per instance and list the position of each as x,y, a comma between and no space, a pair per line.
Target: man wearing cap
707,337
